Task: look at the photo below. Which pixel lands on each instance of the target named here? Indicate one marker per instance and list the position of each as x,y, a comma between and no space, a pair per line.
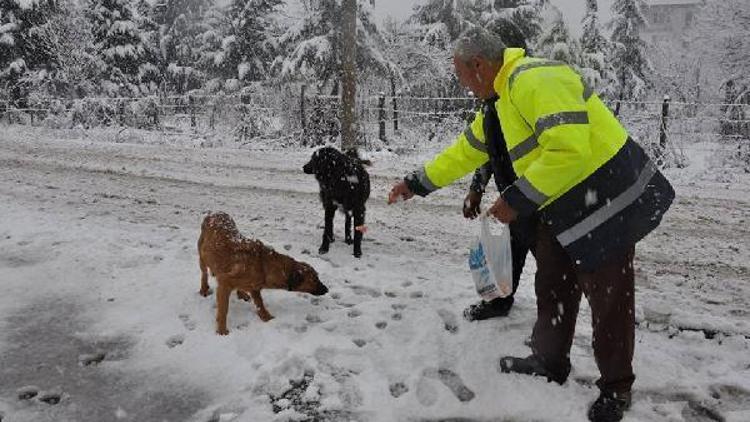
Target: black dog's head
324,162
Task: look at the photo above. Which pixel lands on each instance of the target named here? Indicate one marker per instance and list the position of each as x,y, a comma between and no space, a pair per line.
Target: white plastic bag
491,263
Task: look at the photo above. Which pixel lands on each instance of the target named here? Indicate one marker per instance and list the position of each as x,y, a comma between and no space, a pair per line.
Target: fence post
663,131
395,104
191,101
302,107
381,116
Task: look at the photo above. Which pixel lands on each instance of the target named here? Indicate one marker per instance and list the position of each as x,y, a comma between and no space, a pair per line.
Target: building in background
668,19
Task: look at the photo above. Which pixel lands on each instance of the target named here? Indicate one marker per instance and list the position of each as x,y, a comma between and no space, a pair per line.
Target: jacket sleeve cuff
419,184
518,201
477,183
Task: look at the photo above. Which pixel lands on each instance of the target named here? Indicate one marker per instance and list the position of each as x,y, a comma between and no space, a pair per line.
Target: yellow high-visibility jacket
575,163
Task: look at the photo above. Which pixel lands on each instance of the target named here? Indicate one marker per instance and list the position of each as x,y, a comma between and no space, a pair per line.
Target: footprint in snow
450,320
451,380
90,359
188,323
398,389
175,340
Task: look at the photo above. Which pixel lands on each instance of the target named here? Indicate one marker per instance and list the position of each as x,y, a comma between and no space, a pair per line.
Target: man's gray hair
478,42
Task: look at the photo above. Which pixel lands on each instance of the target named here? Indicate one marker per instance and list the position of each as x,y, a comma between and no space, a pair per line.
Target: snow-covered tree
594,61
249,45
312,45
632,68
555,41
721,35
418,66
181,24
117,38
150,72
72,64
442,21
22,47
524,14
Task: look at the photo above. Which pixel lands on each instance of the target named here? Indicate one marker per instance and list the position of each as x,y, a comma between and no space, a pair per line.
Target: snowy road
97,255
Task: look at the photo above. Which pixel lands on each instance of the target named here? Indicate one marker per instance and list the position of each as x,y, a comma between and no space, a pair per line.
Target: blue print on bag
476,258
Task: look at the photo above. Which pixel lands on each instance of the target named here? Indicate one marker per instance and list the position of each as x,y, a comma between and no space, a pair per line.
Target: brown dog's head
304,278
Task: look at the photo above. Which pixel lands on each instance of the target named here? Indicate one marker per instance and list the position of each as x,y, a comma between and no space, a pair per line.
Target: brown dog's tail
354,155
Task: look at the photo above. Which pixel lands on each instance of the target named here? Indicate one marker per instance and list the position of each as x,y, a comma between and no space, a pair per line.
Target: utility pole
348,74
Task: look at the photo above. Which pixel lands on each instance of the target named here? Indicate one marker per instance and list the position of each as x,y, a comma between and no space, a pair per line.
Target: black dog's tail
354,155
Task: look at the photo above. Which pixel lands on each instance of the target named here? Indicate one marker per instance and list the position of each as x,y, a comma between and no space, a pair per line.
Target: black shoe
609,407
530,365
499,307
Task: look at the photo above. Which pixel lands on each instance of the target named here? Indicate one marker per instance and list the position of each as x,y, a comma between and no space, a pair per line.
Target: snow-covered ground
100,307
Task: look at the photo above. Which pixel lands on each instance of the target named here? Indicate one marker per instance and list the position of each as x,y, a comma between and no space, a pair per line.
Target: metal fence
291,116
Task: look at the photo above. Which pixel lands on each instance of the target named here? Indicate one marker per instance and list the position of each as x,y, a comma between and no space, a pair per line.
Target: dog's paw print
398,306
381,325
354,313
365,291
406,283
91,358
397,316
359,342
175,340
50,397
389,293
416,295
450,321
451,380
188,323
27,392
313,319
398,389
336,296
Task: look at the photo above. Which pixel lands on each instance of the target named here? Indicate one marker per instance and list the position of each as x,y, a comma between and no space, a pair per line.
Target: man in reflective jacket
594,189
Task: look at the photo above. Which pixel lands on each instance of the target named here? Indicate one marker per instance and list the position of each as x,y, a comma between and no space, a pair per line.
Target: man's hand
399,191
471,204
502,211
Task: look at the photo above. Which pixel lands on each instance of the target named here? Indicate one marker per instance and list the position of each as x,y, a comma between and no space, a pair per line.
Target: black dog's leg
328,229
348,228
359,223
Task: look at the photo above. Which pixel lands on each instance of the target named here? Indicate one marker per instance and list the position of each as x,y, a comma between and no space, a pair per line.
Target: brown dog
248,266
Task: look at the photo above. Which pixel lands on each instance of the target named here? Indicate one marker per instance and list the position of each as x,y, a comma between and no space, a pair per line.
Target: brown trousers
610,292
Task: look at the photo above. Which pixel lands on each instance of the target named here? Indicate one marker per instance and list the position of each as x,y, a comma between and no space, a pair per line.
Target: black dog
344,183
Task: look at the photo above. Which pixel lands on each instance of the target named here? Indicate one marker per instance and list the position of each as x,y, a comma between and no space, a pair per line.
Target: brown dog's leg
205,290
222,306
241,294
263,313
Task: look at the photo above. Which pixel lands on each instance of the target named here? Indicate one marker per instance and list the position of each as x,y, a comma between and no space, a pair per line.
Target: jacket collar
510,56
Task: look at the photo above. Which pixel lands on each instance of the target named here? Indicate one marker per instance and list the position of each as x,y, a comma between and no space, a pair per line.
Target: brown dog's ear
294,280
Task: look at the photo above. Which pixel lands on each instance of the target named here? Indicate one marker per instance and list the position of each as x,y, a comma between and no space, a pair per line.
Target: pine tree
117,38
312,45
594,62
150,72
555,41
632,68
72,64
22,48
180,24
442,21
721,35
249,46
